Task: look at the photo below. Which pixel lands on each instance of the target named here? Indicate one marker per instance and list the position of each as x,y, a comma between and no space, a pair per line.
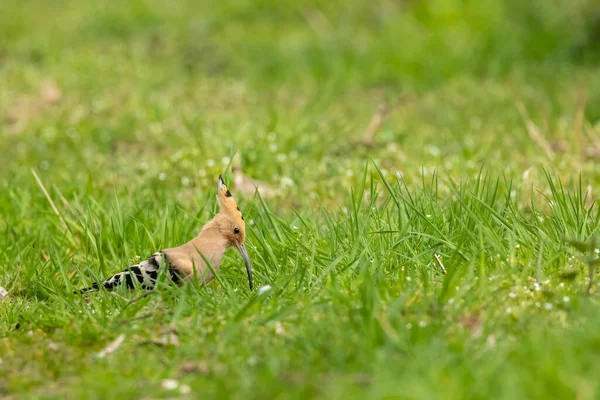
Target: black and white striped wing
145,274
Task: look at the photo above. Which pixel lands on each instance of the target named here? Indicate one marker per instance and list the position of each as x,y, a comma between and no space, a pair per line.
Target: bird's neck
211,242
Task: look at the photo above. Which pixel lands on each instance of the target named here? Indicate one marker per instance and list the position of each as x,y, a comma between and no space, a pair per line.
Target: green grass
127,112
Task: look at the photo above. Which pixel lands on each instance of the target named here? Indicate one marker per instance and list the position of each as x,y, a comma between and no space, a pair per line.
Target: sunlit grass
351,291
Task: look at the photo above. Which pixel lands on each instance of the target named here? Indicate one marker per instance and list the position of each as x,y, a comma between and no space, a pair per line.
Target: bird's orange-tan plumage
188,261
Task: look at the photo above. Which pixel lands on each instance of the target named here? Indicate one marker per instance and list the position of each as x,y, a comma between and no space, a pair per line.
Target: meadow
425,225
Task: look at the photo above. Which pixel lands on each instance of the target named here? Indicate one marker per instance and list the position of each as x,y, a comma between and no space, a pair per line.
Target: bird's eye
236,230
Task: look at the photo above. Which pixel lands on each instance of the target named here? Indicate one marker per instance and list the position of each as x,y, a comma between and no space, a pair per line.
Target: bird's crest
228,205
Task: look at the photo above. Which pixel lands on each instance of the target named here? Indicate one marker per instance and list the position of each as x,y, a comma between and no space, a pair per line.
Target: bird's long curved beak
244,253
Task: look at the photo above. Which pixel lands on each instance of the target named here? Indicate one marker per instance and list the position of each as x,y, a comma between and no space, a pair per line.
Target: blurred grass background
149,87
128,111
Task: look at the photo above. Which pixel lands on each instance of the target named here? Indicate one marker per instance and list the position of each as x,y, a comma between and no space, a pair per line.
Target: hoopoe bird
188,261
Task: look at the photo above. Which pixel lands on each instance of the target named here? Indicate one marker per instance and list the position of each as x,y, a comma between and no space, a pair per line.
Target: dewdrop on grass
185,389
264,289
169,384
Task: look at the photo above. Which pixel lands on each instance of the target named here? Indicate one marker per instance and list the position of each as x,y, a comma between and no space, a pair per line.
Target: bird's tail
144,274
